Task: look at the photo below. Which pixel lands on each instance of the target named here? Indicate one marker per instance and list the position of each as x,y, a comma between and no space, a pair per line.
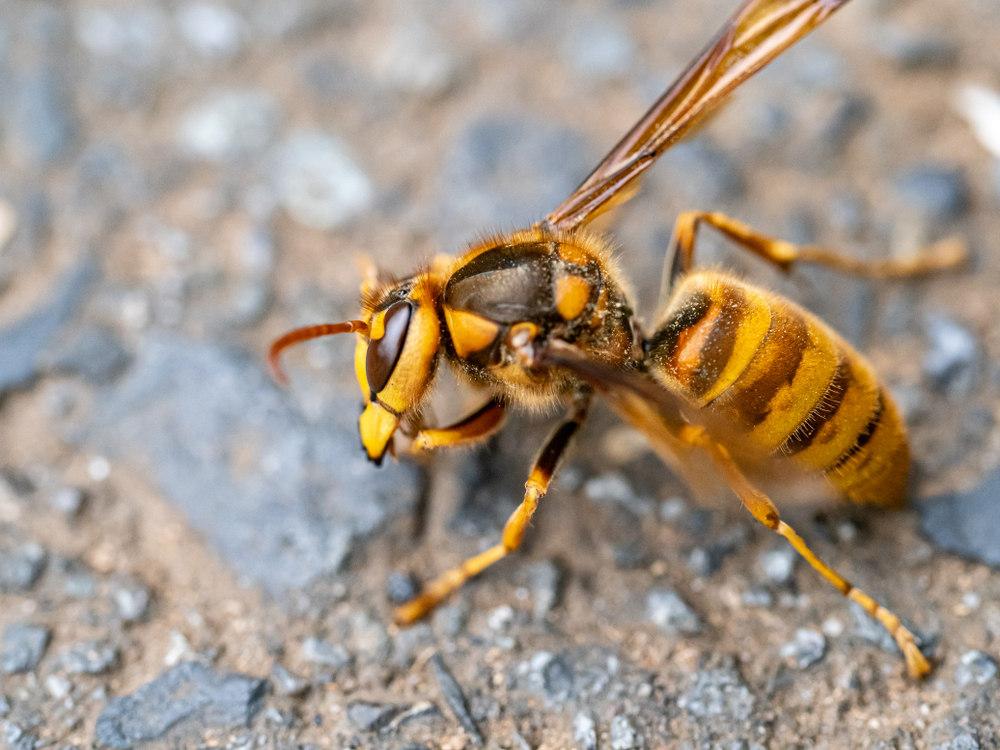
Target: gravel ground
191,556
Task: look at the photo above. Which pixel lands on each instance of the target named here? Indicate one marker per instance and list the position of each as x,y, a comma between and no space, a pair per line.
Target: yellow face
395,364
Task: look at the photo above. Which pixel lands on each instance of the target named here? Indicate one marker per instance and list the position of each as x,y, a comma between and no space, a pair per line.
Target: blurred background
180,182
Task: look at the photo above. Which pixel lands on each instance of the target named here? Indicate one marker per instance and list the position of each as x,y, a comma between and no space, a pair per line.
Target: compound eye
383,353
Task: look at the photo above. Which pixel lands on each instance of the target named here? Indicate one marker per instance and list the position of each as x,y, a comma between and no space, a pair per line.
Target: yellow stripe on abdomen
783,381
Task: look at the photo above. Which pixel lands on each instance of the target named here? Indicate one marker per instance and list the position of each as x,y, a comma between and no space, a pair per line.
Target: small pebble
22,647
910,51
453,695
90,658
833,627
623,734
213,31
230,125
951,361
807,649
318,182
58,687
980,105
69,501
371,717
501,618
328,654
80,585
401,587
416,60
757,597
546,581
672,509
670,613
21,568
286,683
132,602
98,468
585,731
935,194
975,667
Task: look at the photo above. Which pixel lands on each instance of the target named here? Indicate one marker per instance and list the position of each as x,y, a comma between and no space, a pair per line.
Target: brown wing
757,33
645,405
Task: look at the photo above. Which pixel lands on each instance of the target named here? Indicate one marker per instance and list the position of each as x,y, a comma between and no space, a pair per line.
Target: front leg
513,532
477,426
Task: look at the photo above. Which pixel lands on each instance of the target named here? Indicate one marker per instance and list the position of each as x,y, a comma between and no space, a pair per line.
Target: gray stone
95,354
843,123
966,522
80,585
371,717
629,555
212,30
186,698
230,125
507,171
289,498
136,33
585,731
756,597
933,193
318,182
16,738
952,360
45,122
454,696
453,619
132,601
92,657
975,667
286,683
25,342
23,647
557,678
911,51
69,501
778,565
20,568
416,60
401,587
807,649
962,741
718,693
671,613
327,654
410,642
707,559
545,579
623,734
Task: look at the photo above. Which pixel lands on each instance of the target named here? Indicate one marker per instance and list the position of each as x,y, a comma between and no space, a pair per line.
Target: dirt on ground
192,555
